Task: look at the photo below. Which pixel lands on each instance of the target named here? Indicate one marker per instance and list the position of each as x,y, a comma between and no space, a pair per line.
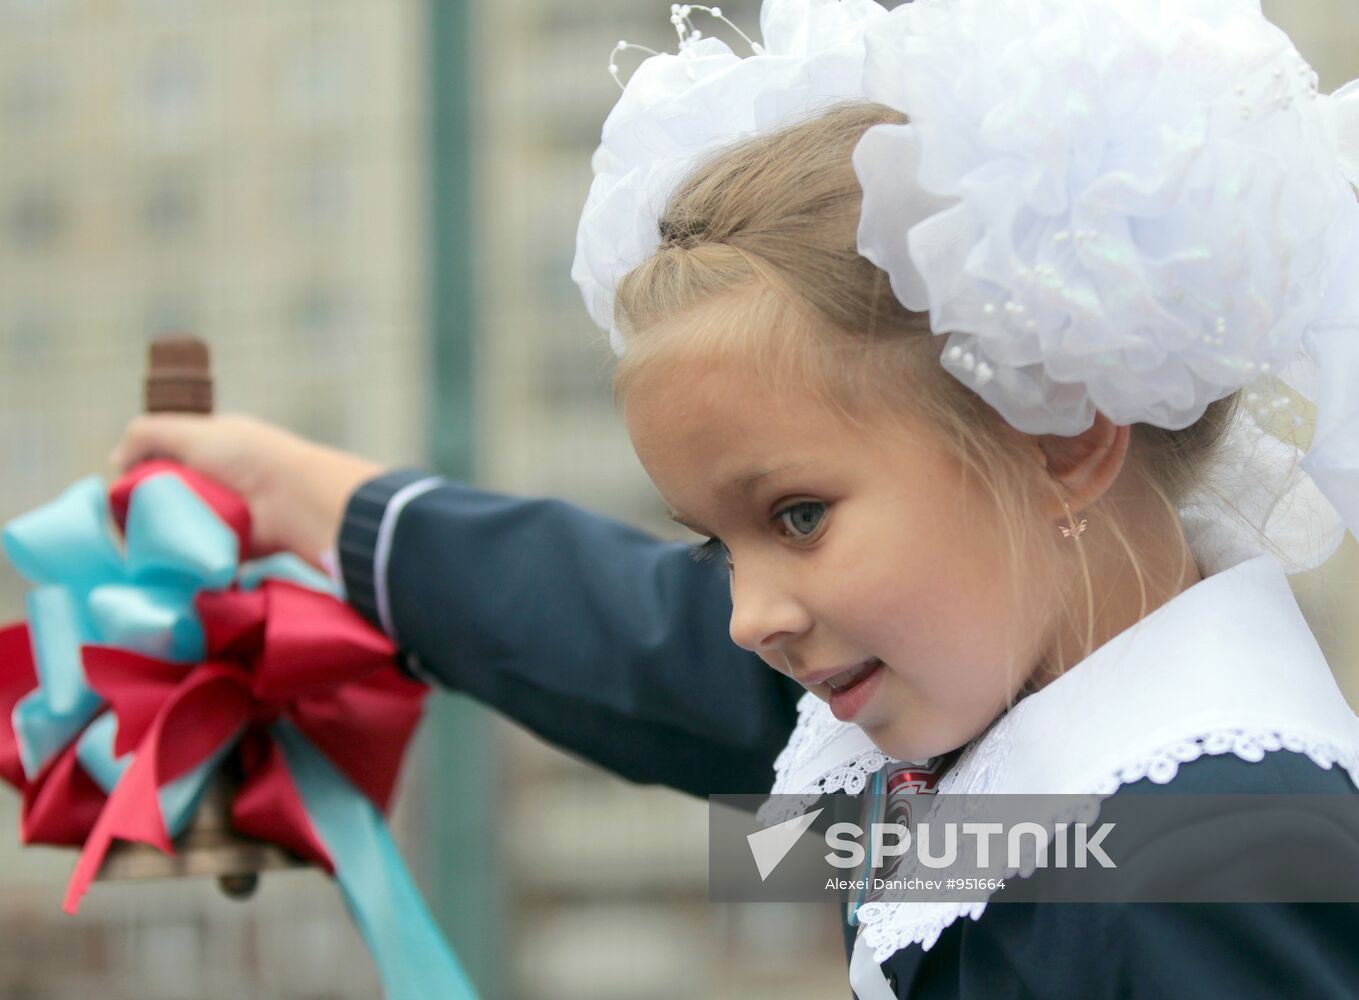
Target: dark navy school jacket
613,646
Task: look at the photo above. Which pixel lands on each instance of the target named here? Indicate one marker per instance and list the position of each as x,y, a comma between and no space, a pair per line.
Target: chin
917,744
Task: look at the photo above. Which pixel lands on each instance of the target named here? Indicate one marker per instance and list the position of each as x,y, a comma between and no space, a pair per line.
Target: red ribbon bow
281,650
61,802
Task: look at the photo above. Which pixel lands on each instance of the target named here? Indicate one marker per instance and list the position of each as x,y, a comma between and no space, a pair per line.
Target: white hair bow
1131,206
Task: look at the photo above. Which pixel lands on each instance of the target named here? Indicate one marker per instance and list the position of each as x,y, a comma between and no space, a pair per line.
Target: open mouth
852,676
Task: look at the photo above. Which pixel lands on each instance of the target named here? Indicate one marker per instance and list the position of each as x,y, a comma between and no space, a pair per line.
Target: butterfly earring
1073,528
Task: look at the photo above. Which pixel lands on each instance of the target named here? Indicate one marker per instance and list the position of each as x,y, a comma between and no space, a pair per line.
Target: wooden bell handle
179,380
178,375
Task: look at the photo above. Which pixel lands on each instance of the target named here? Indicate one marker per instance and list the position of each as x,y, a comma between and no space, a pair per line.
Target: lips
848,700
848,689
837,678
848,678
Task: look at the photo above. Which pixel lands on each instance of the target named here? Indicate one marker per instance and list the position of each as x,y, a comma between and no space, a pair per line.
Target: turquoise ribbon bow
88,592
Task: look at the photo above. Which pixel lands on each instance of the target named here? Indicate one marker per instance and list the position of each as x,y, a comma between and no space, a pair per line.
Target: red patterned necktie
915,777
901,780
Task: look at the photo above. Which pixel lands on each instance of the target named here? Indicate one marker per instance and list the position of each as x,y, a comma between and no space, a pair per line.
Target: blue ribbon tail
413,960
179,800
46,719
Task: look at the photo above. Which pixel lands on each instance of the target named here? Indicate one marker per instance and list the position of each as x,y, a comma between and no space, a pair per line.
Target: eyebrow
740,487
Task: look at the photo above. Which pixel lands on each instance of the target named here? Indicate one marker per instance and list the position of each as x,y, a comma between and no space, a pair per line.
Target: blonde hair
768,228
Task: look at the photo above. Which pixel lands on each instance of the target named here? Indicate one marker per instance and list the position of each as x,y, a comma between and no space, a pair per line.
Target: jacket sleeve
593,635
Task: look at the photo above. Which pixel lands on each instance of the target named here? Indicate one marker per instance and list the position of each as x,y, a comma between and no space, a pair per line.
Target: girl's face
860,566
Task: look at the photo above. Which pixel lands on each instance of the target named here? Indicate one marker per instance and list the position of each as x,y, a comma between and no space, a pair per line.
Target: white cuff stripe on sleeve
382,551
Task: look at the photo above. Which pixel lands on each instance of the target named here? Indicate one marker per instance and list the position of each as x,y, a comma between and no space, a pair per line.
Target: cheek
945,618
930,589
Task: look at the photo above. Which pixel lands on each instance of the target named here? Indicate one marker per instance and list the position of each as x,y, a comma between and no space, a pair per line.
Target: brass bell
208,846
179,379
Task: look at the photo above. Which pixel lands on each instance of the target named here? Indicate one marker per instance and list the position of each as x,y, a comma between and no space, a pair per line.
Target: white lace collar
1228,666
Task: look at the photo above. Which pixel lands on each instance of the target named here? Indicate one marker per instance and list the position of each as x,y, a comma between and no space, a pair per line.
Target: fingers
159,435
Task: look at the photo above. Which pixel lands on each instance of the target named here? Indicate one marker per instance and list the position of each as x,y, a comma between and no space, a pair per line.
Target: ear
1084,466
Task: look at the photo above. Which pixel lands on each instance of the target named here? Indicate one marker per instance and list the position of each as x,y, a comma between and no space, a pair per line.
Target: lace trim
975,771
851,777
816,729
799,781
1248,744
889,927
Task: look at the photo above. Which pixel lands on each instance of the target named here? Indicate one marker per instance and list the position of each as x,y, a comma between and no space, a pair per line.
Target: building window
35,8
31,98
29,342
35,217
171,311
171,204
315,79
169,93
318,193
316,317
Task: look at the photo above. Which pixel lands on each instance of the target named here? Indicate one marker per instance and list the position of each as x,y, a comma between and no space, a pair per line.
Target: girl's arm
593,635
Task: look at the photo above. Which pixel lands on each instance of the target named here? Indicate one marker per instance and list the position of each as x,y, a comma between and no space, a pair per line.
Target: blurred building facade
259,173
254,173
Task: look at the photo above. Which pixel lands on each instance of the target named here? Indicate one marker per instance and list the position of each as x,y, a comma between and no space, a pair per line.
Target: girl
937,376
948,327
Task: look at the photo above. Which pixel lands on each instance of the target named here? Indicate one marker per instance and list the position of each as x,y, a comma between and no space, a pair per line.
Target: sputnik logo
769,847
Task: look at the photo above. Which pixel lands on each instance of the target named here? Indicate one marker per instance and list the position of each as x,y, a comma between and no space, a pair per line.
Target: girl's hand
296,489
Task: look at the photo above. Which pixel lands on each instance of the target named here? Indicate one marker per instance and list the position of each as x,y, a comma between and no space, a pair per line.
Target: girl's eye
705,551
802,518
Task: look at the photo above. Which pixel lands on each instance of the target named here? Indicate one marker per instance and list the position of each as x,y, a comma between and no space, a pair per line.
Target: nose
765,614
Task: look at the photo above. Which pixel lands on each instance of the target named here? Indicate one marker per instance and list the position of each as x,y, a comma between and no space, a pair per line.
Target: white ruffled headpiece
678,109
1131,206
